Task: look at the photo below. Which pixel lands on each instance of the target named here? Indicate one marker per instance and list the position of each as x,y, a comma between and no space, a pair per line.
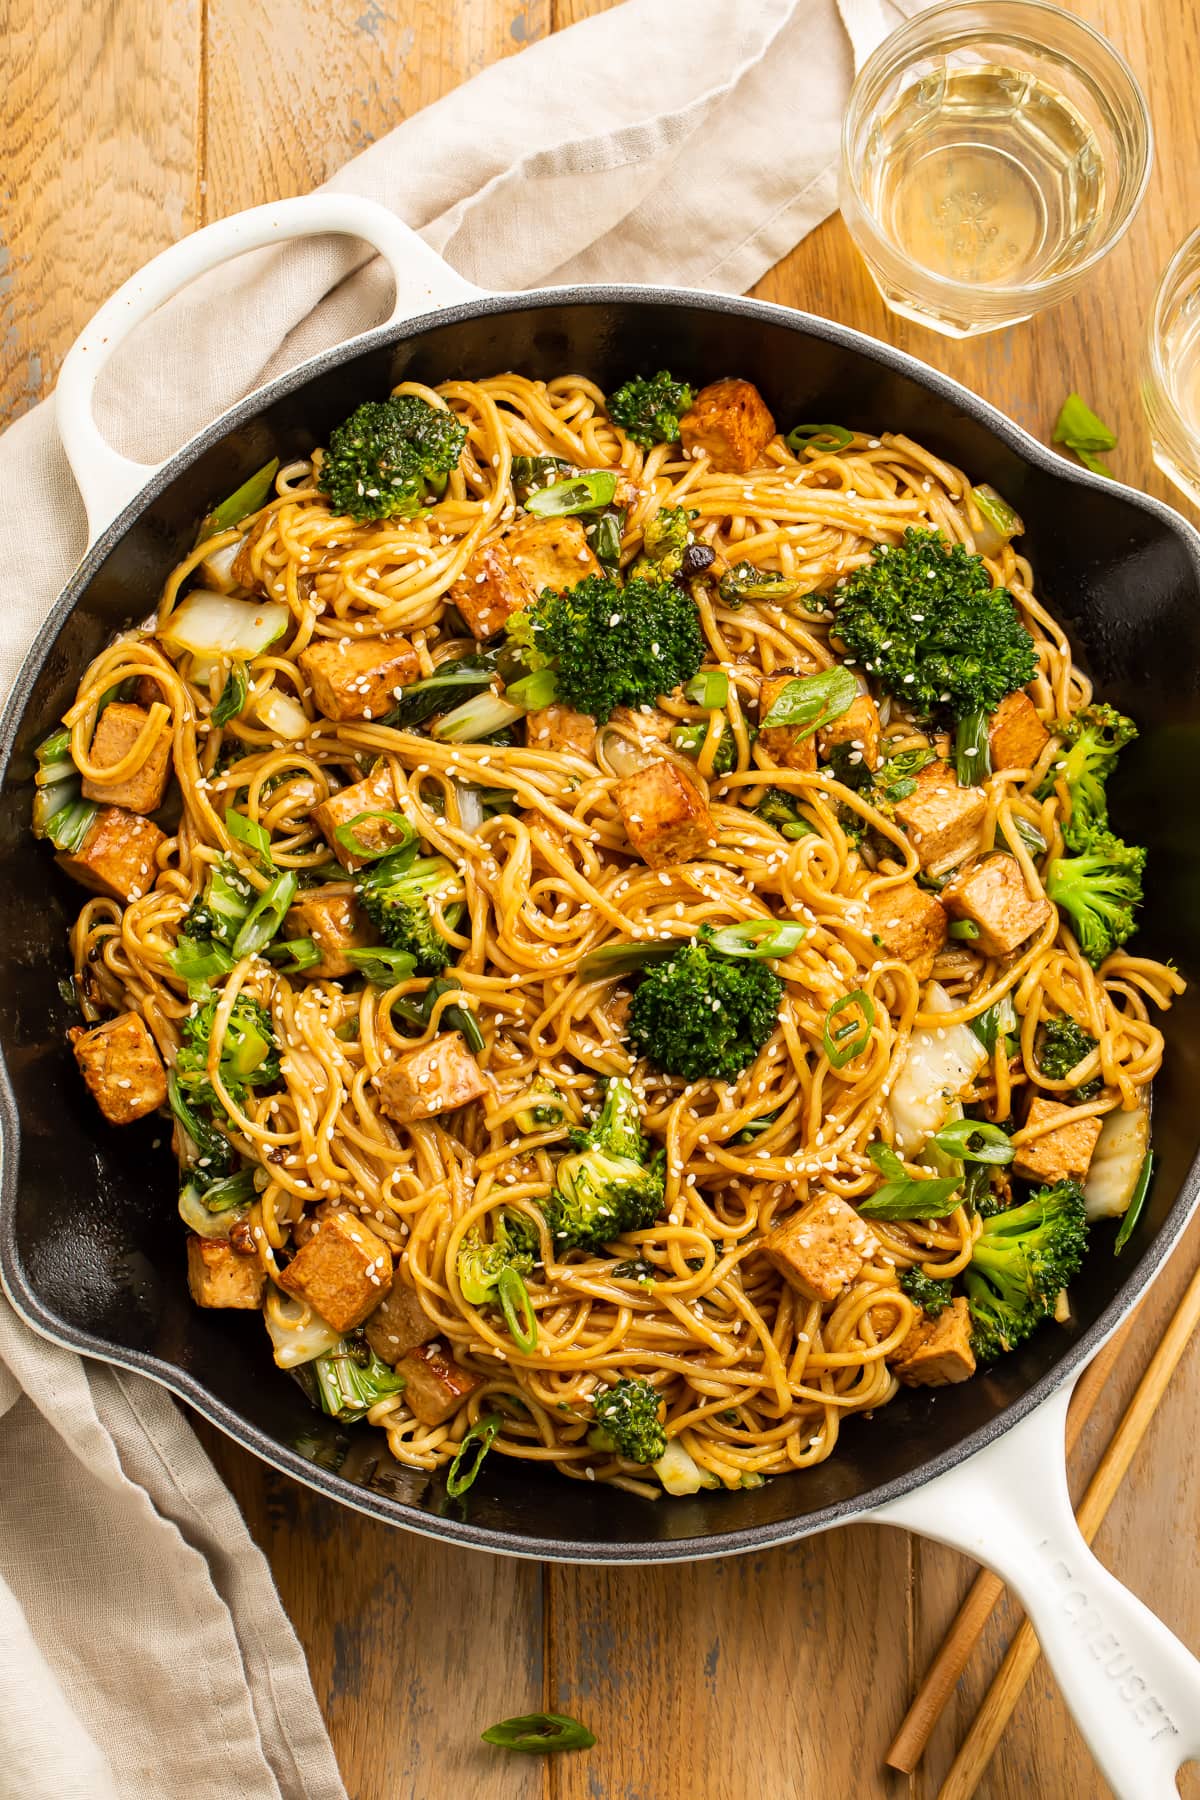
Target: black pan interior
91,1247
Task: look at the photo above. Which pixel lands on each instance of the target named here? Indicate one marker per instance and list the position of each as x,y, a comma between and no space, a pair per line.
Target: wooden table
780,1676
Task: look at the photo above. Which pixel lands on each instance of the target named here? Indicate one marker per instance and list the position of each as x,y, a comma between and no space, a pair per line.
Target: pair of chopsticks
999,1703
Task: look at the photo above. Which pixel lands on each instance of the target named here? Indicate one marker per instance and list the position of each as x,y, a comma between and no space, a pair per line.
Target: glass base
947,324
1185,479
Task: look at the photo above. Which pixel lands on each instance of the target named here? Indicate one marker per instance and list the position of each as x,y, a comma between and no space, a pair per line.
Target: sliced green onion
199,963
265,916
250,833
709,688
842,1043
583,493
347,835
70,827
292,956
758,938
818,437
383,968
254,493
811,701
1137,1201
476,1443
964,928
973,748
604,535
974,1141
902,1196
530,472
533,691
539,1733
518,1311
476,718
1078,427
232,697
622,959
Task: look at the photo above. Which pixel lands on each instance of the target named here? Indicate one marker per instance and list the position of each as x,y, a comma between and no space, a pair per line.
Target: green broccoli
395,894
606,1186
390,457
248,1054
664,541
543,1106
611,645
1022,1260
1100,890
699,1015
482,1261
931,1296
627,1421
924,619
1093,740
648,410
689,739
780,810
1061,1047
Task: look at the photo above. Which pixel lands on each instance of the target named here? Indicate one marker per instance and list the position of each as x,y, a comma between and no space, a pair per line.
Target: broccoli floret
690,740
388,456
697,1014
648,410
1093,739
611,645
664,541
607,1186
1062,1046
481,1261
627,1421
931,1296
1022,1260
924,619
248,1054
395,894
780,810
1100,889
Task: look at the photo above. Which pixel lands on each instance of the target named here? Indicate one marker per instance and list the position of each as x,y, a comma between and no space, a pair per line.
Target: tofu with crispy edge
909,924
649,724
992,893
120,1063
376,793
342,1270
431,1078
937,1352
552,553
1016,736
398,1324
821,1249
559,728
1064,1154
218,1276
434,1386
490,590
783,743
858,727
941,818
335,924
142,790
119,856
666,817
358,678
731,421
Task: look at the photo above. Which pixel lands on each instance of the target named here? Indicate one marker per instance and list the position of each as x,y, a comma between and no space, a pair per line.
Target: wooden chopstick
999,1702
908,1746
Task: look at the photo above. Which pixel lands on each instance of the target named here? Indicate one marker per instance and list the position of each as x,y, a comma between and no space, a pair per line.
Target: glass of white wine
1171,370
993,151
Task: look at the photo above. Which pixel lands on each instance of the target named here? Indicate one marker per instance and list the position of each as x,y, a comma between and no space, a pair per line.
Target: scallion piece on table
538,1734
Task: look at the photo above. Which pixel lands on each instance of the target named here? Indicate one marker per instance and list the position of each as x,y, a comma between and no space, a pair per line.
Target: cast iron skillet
91,1249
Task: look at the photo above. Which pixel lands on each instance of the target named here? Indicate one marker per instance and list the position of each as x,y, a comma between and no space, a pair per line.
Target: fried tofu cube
376,793
649,724
993,894
552,553
398,1324
358,678
937,1352
490,590
119,1060
218,1276
731,421
119,856
432,1078
941,818
1063,1154
118,731
665,815
820,1250
342,1270
909,924
560,728
784,743
334,923
858,727
1016,736
434,1386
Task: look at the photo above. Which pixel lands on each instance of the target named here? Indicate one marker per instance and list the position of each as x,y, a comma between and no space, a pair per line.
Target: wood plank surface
779,1676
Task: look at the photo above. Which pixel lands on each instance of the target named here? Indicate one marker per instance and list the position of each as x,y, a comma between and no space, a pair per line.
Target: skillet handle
1132,1687
107,480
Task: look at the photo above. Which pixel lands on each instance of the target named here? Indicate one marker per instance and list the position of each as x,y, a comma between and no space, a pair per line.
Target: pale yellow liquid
986,175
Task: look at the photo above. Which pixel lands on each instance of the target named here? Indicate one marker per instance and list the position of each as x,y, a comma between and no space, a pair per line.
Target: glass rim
1164,395
946,285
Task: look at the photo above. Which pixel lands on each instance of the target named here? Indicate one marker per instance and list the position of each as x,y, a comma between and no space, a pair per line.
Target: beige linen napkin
143,1650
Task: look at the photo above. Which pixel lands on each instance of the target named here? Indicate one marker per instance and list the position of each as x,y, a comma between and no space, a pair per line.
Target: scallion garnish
1081,431
347,835
818,437
517,1308
757,938
581,494
477,1441
842,1043
539,1733
1137,1201
265,916
251,834
709,688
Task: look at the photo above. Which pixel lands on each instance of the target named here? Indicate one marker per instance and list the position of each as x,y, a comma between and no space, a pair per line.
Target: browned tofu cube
649,724
909,924
1016,735
559,728
552,553
941,818
142,789
858,727
432,1078
119,856
490,590
218,1276
334,923
821,1249
731,421
784,744
342,1270
358,678
377,793
398,1324
937,1352
119,1060
665,815
434,1387
992,892
1063,1154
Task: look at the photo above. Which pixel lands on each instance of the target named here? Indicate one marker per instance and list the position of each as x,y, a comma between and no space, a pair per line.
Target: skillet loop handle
1133,1688
108,481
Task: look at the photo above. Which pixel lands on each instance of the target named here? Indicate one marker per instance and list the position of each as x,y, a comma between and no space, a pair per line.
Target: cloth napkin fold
143,1650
